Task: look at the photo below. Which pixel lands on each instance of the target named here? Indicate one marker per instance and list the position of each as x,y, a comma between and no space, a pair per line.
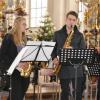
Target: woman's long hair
16,30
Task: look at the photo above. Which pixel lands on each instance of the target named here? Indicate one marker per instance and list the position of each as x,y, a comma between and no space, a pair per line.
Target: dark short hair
72,13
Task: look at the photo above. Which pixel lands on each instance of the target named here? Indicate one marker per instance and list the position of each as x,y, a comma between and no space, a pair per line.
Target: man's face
71,20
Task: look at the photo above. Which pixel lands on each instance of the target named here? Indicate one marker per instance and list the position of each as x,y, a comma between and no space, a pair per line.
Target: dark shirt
8,51
78,42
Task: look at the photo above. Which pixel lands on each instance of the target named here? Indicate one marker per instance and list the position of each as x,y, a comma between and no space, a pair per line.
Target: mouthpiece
72,26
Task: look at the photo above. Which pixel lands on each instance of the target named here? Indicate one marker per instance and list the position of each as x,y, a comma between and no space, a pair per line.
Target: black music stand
13,66
76,57
94,69
34,51
38,52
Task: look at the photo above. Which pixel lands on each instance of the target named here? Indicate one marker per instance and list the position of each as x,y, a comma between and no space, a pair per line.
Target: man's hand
98,49
55,62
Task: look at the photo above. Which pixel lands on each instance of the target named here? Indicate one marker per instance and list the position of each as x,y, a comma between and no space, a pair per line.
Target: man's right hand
56,62
98,49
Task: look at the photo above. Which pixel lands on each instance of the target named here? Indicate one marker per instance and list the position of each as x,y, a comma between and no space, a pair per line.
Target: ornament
2,4
1,14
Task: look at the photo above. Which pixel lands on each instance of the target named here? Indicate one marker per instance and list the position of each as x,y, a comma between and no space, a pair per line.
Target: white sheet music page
38,51
16,61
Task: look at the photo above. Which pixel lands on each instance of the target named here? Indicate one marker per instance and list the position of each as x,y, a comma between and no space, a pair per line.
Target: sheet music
16,61
29,52
44,52
33,43
37,43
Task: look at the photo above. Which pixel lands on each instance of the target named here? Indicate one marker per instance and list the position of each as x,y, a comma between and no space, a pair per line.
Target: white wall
58,9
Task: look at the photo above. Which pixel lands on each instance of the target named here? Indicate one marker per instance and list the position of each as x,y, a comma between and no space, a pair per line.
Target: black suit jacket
8,52
78,42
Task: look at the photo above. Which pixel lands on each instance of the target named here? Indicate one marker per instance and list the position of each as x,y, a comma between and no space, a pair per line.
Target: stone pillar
72,5
56,9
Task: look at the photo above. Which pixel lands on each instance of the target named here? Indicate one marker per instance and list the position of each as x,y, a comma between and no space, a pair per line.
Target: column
56,11
72,5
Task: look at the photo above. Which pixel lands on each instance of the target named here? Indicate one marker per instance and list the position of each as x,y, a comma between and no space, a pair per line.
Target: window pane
38,21
33,12
33,22
38,12
33,3
44,3
39,4
44,11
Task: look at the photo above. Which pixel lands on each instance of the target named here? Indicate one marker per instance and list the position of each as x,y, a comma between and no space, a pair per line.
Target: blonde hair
17,34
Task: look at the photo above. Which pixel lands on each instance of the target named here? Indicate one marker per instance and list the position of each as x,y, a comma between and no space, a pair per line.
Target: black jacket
8,52
78,42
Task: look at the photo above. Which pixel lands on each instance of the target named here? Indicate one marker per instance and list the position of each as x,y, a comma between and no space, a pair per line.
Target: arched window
37,9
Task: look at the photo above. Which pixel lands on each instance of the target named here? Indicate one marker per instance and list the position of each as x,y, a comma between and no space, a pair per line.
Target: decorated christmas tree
46,30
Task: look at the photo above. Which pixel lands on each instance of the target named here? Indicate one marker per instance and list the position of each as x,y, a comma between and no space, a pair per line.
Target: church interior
43,18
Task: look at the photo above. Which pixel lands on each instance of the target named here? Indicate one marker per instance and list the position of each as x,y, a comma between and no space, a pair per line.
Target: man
67,72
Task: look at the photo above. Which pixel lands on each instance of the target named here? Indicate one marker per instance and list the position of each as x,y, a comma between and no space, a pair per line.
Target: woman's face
23,25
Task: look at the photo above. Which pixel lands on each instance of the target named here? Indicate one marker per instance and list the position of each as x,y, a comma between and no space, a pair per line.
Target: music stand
35,51
94,69
13,66
76,57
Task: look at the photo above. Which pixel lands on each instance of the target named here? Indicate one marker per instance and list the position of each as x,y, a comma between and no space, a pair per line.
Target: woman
11,46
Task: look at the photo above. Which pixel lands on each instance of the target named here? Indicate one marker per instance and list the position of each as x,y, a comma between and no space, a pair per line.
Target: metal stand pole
86,90
33,91
76,66
10,89
35,79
